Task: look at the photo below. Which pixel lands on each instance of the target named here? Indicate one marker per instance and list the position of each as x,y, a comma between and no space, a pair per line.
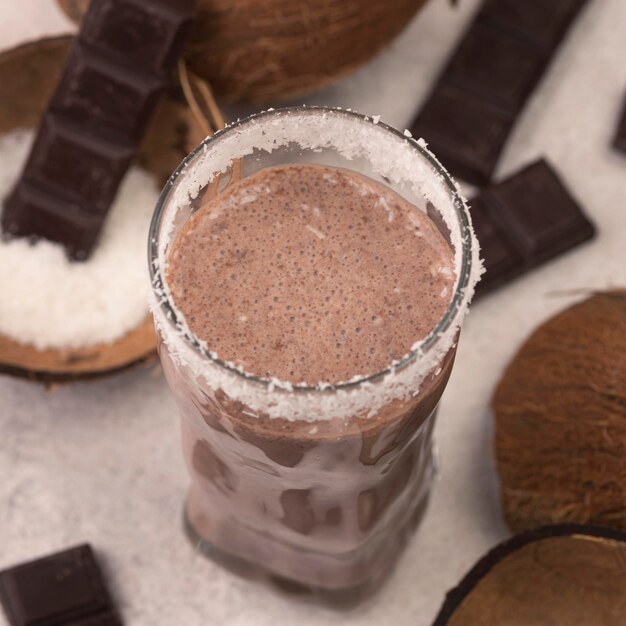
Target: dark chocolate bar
63,588
525,221
122,60
620,136
474,104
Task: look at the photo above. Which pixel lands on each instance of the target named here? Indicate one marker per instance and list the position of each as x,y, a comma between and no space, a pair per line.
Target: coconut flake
318,233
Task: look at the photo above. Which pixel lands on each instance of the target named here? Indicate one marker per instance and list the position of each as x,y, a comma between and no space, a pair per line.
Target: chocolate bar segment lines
82,167
474,105
98,93
525,221
63,588
121,61
148,34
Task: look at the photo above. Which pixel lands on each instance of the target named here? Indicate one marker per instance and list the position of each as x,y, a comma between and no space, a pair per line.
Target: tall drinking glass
320,486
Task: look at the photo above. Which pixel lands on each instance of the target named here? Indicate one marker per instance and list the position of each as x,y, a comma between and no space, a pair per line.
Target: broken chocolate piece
63,588
523,222
620,136
477,99
120,63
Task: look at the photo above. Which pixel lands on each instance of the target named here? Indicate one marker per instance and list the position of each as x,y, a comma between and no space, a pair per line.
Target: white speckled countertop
100,462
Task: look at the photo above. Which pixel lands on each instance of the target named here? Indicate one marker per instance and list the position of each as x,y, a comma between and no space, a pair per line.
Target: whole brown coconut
560,412
261,50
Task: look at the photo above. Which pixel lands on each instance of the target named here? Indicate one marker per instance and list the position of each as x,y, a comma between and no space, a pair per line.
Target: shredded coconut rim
390,153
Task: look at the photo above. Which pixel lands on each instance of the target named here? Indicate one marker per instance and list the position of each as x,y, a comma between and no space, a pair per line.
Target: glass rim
158,282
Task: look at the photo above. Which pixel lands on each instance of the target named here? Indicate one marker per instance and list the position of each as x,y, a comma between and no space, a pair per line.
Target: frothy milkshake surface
310,274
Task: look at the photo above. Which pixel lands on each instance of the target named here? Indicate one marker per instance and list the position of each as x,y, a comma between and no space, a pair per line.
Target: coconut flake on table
51,302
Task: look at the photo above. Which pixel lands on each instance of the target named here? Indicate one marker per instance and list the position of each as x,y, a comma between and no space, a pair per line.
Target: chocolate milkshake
311,275
306,317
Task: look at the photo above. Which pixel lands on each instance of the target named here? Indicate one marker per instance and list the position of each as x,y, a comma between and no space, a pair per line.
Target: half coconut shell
569,574
28,76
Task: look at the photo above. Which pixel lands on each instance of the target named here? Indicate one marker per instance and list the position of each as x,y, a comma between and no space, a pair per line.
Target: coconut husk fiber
264,50
560,418
553,576
28,75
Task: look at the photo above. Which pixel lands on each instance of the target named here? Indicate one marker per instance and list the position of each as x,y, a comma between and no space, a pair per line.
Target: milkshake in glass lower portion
311,269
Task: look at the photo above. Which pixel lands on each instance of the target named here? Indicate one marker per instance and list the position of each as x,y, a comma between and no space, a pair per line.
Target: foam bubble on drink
50,302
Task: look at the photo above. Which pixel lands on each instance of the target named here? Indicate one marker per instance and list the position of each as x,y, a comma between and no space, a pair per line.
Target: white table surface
100,462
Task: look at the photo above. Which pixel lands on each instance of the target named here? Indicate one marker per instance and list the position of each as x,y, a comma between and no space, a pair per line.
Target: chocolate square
465,135
145,33
536,21
496,67
64,588
31,212
500,258
95,92
82,167
525,221
538,211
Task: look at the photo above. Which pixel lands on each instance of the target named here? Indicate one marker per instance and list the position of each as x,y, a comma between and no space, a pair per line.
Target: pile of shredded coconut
51,302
